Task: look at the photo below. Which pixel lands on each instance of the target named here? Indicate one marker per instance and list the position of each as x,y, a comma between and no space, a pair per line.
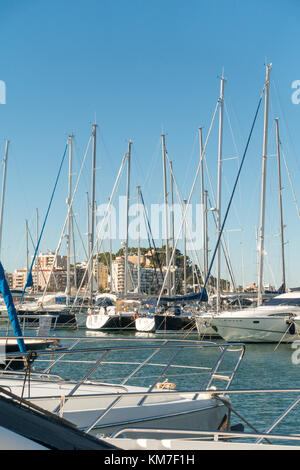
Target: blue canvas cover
201,296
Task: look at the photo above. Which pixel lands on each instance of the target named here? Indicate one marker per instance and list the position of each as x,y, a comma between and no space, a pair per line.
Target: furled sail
200,296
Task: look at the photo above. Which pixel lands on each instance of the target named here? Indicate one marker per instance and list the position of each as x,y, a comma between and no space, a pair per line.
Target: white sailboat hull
110,321
145,324
96,322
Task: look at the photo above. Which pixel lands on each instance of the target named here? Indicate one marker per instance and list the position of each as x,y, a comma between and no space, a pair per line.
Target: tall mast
280,204
220,149
98,266
68,289
127,217
173,232
139,241
205,235
92,236
88,234
263,189
110,251
37,253
27,252
193,275
3,190
74,253
166,210
184,251
205,266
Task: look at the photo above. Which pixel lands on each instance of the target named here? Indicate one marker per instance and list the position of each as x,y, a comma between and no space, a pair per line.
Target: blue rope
29,277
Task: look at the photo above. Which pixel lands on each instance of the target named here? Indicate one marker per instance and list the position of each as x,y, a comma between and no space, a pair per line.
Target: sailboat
106,315
273,320
168,315
53,305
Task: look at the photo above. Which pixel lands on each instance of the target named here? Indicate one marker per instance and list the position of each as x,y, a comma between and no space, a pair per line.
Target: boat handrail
207,435
174,347
167,345
183,393
120,390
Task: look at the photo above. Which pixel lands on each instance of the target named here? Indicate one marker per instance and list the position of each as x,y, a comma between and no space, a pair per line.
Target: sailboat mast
263,189
68,289
173,232
220,149
27,251
92,235
166,210
110,251
74,253
3,190
37,253
184,251
280,203
205,266
205,235
139,242
127,218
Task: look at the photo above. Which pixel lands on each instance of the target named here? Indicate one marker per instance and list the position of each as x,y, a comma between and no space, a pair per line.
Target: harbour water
264,367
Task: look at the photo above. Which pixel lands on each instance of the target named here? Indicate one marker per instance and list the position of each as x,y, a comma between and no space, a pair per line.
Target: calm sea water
263,367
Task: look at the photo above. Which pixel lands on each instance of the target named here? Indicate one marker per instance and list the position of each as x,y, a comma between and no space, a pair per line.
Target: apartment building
101,275
49,260
55,280
51,272
151,279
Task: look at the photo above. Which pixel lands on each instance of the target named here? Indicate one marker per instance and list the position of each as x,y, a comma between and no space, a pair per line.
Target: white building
150,279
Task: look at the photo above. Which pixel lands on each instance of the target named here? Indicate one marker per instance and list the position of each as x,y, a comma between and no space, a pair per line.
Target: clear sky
139,68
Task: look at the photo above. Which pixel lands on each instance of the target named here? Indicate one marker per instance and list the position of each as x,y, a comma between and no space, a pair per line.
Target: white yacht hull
170,444
258,329
165,411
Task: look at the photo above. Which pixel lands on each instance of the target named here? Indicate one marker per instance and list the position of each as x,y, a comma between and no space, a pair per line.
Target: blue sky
138,68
